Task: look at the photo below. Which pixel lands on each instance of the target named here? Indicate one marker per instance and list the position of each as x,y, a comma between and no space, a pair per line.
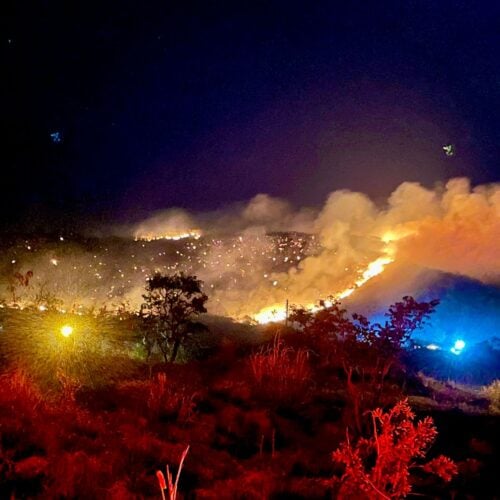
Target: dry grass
166,399
492,392
281,371
16,387
450,394
169,484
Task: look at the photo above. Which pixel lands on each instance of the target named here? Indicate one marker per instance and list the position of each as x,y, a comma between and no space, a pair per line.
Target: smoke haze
414,235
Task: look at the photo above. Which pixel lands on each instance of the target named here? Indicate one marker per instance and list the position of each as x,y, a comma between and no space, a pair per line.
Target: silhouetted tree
171,303
367,350
389,339
19,281
331,331
358,344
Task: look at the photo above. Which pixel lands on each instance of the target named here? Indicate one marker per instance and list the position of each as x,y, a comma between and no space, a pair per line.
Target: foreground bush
380,466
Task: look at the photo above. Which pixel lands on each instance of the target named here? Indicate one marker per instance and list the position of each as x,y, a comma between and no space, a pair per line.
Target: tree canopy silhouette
171,304
365,351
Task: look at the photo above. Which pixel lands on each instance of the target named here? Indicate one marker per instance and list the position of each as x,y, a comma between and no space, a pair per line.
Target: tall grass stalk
281,370
169,484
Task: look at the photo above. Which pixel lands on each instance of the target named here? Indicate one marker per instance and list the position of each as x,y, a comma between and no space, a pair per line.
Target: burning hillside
254,257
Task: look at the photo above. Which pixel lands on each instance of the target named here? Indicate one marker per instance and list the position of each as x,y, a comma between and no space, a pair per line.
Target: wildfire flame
277,312
271,314
173,236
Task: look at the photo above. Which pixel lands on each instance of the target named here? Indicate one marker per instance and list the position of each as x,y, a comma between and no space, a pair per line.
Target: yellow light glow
66,330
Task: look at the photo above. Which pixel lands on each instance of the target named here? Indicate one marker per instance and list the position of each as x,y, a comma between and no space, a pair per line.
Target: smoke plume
367,254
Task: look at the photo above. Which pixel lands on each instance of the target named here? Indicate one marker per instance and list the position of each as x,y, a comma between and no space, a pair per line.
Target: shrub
17,390
77,475
379,467
492,392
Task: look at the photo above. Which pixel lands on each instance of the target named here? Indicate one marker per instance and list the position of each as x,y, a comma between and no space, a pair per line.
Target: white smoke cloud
265,212
452,228
462,236
174,221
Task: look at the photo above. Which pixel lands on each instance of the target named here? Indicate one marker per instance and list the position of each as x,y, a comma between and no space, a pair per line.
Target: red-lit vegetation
169,484
380,467
281,372
259,421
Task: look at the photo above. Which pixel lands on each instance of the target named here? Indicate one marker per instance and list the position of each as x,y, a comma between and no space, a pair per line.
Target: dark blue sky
202,104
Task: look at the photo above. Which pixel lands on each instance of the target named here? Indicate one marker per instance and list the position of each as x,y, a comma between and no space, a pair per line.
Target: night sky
112,110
